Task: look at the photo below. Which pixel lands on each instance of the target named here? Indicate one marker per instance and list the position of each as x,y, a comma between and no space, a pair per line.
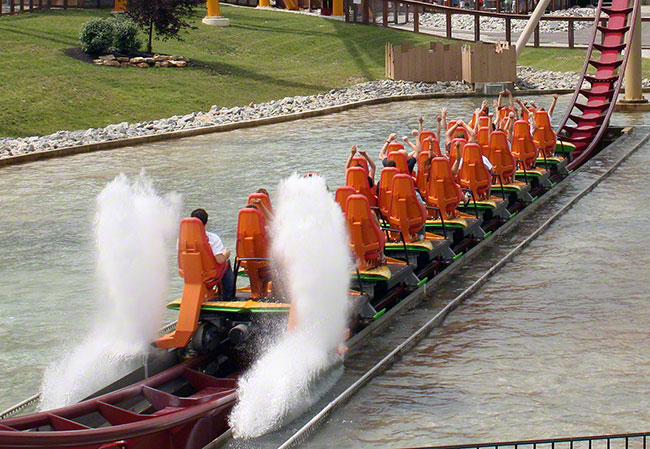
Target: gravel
529,78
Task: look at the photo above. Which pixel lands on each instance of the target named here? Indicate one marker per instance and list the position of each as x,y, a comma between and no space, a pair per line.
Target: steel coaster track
36,397
304,432
591,119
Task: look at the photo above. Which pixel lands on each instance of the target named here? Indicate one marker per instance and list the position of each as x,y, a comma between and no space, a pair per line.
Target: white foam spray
310,248
134,232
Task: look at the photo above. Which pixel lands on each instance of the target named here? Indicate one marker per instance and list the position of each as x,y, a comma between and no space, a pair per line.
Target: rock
112,63
177,63
98,61
157,64
124,64
136,60
143,65
123,58
107,58
149,60
164,64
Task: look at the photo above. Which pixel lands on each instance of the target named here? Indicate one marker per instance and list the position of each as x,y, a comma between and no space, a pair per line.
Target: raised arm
438,119
500,99
352,152
408,142
454,168
420,125
371,164
550,110
510,99
384,149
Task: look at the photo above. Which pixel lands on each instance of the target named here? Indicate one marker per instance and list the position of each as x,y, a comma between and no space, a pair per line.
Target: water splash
134,230
310,249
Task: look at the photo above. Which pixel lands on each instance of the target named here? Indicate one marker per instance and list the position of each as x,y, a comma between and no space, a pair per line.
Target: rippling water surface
556,344
47,262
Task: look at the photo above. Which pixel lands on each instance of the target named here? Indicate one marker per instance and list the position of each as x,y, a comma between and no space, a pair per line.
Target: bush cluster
109,34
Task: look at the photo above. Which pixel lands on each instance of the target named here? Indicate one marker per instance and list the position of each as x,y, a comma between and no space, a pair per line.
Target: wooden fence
485,63
10,7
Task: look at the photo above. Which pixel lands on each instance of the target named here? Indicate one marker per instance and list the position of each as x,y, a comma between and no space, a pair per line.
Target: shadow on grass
42,36
238,72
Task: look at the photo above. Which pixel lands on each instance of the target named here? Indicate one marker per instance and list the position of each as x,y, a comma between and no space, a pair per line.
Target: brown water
556,344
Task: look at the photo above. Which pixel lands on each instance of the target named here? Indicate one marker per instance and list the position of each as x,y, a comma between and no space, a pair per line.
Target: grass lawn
263,55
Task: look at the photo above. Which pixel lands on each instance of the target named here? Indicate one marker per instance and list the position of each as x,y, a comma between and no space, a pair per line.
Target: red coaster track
592,117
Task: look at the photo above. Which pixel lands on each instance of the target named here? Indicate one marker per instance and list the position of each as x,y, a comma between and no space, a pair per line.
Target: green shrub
96,36
125,36
104,35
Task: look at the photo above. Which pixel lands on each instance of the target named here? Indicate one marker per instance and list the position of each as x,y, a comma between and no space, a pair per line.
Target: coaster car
384,189
407,217
443,198
525,151
475,177
504,165
545,139
367,241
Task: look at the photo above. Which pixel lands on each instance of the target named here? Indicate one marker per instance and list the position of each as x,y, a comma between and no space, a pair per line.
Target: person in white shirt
221,254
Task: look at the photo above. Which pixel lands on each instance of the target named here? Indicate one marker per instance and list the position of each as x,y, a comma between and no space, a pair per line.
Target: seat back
357,178
523,147
400,161
253,242
359,161
458,130
424,139
442,190
394,146
366,238
385,186
342,194
484,140
484,121
545,138
503,162
473,174
406,213
262,196
196,263
452,149
422,173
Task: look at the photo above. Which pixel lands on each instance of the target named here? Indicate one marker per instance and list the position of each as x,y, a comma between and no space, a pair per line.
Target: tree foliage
166,17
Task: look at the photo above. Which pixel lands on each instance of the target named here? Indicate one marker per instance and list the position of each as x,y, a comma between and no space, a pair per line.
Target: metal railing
405,14
614,441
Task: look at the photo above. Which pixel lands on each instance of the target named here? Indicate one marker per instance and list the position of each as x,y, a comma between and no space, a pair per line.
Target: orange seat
484,140
473,173
394,146
201,272
422,173
458,130
366,238
357,178
342,194
452,151
523,147
253,243
442,190
472,122
424,140
503,162
406,212
545,138
358,161
400,161
262,196
484,121
385,186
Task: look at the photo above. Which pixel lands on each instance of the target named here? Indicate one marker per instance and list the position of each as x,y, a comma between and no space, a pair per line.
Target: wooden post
406,13
416,19
364,12
448,24
498,5
12,7
31,5
384,13
477,27
396,11
509,30
22,5
536,38
477,5
346,10
65,4
571,34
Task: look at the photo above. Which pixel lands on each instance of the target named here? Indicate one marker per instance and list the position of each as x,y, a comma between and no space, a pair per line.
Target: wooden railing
21,6
406,13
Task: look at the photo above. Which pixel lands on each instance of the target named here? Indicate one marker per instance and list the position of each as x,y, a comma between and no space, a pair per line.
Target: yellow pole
119,6
214,15
337,7
263,3
633,89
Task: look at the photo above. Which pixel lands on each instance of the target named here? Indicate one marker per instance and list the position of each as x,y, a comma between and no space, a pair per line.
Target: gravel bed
528,78
466,22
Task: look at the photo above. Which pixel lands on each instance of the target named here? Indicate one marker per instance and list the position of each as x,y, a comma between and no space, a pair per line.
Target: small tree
167,17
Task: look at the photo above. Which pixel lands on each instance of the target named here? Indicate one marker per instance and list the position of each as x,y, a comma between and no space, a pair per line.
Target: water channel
47,260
